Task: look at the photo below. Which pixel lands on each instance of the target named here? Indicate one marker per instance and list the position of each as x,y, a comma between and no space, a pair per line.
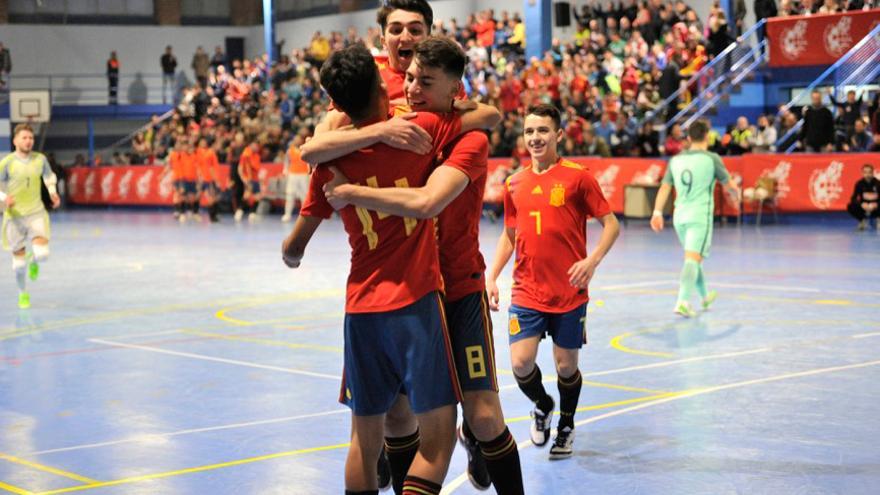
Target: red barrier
817,39
805,182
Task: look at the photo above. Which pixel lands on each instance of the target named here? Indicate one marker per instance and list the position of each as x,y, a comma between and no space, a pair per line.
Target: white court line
661,364
635,285
216,359
145,334
151,437
461,479
785,288
866,335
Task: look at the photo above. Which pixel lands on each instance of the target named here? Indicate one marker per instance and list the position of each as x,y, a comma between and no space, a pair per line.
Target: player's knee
522,366
41,252
565,369
485,422
19,263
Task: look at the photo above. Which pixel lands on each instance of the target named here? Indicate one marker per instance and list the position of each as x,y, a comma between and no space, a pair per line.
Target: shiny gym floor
160,358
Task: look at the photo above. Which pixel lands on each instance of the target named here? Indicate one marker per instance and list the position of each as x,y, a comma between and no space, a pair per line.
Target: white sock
19,266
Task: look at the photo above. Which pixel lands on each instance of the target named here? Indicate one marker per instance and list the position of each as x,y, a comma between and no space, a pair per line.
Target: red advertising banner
818,39
805,182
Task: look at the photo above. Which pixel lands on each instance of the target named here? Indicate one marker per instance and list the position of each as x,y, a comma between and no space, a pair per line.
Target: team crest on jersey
557,195
514,325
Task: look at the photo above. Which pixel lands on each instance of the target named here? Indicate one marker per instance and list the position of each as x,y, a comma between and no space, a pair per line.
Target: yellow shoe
24,300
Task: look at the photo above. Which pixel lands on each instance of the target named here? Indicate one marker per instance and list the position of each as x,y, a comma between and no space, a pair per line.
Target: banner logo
606,180
91,177
125,184
793,41
780,174
837,37
825,185
143,184
649,176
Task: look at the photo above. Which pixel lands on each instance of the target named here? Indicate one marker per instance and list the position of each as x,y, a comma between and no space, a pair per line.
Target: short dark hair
868,165
22,128
547,110
351,79
698,130
417,6
441,53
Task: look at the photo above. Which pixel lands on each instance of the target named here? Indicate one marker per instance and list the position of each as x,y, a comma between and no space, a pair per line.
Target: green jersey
21,179
693,173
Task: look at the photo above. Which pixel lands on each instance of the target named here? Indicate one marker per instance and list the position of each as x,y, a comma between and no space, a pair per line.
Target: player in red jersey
454,191
384,293
209,177
546,206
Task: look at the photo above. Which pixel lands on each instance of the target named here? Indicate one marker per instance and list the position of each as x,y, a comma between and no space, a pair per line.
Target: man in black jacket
818,131
864,202
169,66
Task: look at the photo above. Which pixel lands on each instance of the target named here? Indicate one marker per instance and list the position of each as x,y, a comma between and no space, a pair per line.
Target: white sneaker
540,429
562,445
181,219
239,214
286,218
252,217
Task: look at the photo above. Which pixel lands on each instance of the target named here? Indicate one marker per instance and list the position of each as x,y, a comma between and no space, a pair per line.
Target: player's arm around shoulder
476,115
397,132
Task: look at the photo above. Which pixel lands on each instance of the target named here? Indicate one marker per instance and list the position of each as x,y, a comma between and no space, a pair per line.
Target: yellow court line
616,343
745,297
278,343
14,489
47,469
9,333
198,469
222,315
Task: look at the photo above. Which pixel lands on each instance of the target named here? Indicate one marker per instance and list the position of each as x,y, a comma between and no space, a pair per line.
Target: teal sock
688,280
701,282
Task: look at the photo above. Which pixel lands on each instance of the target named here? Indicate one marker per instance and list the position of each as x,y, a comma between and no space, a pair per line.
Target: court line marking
269,342
146,437
866,335
271,456
14,489
626,402
685,394
198,469
203,357
11,332
616,343
47,469
553,378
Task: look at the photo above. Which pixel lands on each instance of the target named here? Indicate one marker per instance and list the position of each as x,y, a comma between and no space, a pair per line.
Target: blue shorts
407,350
255,186
568,330
187,187
209,187
472,343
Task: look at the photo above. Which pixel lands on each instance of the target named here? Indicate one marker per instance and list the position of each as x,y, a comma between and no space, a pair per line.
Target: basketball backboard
30,106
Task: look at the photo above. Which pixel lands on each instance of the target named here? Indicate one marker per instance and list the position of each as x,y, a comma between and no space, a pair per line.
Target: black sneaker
540,430
383,470
562,445
477,472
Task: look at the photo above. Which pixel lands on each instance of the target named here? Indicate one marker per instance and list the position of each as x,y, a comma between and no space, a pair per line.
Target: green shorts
696,237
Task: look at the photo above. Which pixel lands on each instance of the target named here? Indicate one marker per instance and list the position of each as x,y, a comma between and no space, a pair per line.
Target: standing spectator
669,83
113,78
765,137
319,50
818,130
864,201
169,67
648,140
764,9
218,59
5,64
288,111
201,65
850,110
739,16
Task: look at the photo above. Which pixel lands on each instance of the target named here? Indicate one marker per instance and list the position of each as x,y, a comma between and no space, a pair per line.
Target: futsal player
693,174
249,170
25,219
209,177
384,293
546,207
454,191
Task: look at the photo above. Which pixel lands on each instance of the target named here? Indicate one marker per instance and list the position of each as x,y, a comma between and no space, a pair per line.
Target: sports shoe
252,217
239,214
181,219
33,270
286,218
383,470
540,430
863,224
710,298
561,448
683,308
477,472
24,300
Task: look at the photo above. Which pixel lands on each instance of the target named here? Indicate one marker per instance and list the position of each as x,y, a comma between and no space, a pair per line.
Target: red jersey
250,164
394,261
458,226
183,166
208,166
393,79
549,212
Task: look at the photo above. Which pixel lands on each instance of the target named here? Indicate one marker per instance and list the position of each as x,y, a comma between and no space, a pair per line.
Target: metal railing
860,65
711,76
94,89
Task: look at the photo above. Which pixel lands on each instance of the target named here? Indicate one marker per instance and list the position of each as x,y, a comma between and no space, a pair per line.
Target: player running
25,218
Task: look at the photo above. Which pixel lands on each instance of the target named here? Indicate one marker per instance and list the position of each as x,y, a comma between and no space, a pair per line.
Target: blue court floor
161,358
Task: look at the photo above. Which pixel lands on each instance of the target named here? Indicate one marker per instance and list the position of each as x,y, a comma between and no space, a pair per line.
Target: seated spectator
648,140
741,137
765,136
861,140
675,142
594,145
863,204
